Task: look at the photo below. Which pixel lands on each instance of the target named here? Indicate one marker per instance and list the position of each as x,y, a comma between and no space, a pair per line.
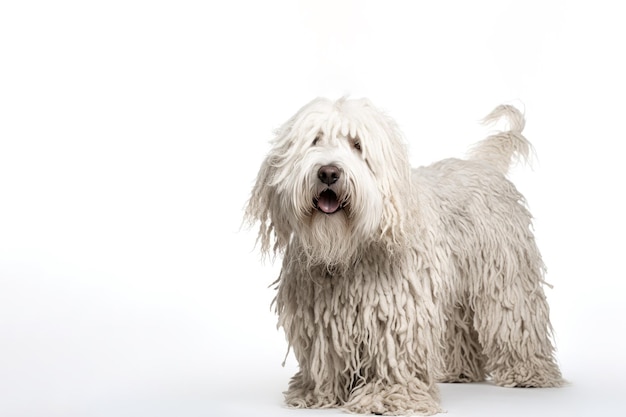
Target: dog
394,279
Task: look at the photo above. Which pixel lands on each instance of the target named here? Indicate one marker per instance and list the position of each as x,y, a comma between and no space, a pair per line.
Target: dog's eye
317,138
357,145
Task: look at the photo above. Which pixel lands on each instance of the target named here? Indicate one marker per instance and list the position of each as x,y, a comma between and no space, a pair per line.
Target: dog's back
471,200
470,204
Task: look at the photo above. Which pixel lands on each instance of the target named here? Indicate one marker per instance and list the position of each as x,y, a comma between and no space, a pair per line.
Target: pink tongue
328,202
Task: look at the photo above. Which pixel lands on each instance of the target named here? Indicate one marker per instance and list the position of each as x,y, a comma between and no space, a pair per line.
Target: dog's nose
328,174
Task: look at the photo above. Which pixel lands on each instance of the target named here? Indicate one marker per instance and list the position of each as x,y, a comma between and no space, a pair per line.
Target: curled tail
503,148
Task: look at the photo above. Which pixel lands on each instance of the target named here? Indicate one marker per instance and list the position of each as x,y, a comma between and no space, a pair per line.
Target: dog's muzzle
327,201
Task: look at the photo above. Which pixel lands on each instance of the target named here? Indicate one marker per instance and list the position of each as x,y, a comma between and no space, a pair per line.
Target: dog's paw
310,400
529,375
393,400
304,397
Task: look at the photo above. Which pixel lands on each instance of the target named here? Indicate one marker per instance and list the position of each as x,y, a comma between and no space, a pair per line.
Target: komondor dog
395,278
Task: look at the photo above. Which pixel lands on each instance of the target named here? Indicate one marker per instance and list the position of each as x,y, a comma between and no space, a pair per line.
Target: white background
130,137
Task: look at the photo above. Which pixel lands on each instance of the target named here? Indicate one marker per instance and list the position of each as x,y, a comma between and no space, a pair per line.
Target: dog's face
336,175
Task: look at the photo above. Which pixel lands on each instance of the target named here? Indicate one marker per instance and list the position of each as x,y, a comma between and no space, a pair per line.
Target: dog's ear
263,207
387,156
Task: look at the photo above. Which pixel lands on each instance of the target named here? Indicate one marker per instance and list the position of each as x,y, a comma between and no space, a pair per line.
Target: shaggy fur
394,279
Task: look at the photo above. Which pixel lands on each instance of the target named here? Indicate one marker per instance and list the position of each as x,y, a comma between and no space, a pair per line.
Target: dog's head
336,179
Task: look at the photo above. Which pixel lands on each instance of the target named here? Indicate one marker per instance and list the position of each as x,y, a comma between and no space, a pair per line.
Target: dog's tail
503,148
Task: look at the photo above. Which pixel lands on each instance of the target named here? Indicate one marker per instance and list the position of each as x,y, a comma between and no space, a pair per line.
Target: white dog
394,279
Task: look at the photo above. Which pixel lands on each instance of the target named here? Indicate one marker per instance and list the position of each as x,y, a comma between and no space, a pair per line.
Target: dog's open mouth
327,202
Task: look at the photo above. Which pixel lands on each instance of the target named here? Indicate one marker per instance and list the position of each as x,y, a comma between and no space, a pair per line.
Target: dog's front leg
305,315
397,374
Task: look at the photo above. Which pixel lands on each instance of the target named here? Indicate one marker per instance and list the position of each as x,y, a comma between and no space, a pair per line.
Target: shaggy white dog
394,279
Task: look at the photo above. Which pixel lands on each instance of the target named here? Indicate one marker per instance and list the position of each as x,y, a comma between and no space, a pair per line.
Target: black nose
328,174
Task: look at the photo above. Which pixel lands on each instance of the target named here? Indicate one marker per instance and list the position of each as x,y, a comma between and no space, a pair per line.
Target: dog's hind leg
512,316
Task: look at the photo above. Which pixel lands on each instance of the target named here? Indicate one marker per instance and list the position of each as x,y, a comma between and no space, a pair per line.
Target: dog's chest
360,302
